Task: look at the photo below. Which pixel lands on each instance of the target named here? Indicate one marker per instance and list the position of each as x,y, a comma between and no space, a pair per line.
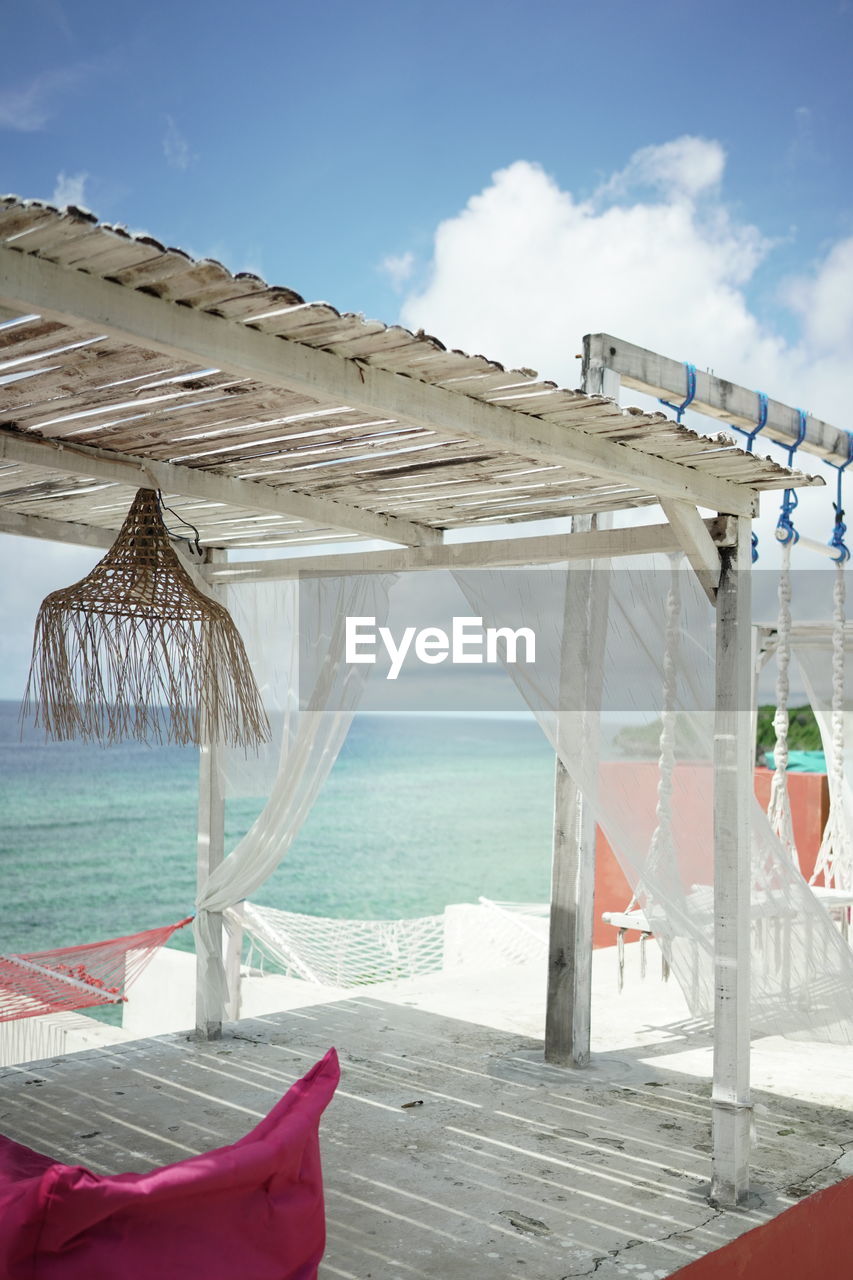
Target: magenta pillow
252,1210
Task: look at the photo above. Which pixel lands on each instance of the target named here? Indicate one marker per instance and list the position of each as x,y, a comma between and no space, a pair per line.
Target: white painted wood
187,334
819,548
103,464
210,852
733,773
569,993
659,376
84,535
505,552
601,380
696,542
627,920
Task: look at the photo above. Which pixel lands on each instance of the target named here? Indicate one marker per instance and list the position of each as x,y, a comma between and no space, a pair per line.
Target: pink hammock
249,1211
76,977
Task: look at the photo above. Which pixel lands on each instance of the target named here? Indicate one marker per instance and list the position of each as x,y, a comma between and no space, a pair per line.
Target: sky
506,176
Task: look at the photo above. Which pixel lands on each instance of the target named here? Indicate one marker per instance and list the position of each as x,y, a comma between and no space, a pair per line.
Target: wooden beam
734,759
696,543
189,482
656,375
186,334
497,553
84,535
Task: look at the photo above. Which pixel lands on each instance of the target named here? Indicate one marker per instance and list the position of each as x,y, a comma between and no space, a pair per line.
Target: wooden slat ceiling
69,383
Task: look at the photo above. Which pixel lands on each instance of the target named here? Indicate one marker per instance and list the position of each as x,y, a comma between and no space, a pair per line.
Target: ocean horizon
420,810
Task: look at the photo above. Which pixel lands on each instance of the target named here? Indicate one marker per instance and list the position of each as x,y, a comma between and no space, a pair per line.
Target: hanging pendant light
136,637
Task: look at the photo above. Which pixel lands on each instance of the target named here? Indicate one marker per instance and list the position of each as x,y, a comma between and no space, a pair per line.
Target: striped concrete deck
509,1169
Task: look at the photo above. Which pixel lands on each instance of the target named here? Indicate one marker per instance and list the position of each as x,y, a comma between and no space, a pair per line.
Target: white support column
569,999
210,851
569,996
696,543
733,772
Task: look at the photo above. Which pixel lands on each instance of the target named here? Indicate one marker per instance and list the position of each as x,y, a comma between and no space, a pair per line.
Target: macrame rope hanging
136,649
779,809
835,857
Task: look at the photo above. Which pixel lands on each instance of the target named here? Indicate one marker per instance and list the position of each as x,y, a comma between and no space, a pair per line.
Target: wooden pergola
269,422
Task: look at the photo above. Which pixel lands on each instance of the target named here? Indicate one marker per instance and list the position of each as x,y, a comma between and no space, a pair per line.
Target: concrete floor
509,1169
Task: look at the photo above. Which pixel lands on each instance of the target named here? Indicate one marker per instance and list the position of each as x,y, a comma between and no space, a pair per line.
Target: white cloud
27,108
685,166
176,149
398,268
825,301
526,269
70,189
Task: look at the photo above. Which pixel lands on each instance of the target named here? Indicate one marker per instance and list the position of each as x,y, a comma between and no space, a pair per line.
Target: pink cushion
249,1211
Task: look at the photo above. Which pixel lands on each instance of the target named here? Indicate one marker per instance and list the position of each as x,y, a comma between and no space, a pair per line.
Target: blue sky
310,141
506,175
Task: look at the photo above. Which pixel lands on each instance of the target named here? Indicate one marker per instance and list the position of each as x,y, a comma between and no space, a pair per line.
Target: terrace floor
508,1169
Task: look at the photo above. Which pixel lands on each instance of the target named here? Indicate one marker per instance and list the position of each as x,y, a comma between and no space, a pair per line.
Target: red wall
809,807
809,1241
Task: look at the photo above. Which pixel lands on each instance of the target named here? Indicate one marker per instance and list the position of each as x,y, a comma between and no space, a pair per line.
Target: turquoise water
418,812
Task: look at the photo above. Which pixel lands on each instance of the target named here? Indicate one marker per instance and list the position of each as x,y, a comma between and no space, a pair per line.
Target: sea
419,811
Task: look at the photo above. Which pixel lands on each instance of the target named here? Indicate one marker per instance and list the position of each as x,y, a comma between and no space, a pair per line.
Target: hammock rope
835,856
81,977
779,811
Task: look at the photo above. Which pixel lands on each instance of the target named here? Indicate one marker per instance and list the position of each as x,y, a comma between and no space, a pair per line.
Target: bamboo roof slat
256,299
134,401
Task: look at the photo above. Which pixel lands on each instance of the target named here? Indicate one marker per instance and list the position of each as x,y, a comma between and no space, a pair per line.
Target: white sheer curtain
609,741
294,634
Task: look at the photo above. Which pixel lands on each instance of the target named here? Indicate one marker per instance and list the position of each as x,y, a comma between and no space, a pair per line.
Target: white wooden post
569,996
733,774
568,1006
210,851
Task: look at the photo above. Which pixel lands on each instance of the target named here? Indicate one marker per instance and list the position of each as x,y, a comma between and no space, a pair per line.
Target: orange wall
809,807
809,1241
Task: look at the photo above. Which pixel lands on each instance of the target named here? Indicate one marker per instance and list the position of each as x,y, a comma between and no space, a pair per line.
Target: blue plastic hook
785,531
678,409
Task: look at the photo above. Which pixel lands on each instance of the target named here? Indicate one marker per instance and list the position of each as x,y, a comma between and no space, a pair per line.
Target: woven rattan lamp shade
136,636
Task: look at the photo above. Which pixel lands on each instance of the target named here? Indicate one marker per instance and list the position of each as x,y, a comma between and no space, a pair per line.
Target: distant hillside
803,732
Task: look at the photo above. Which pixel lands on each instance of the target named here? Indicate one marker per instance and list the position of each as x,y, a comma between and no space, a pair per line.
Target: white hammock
344,953
354,953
